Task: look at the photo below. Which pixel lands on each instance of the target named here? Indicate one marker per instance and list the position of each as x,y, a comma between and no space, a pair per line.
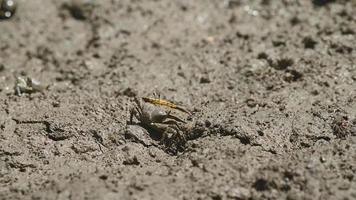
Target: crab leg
164,129
133,113
166,103
137,110
169,116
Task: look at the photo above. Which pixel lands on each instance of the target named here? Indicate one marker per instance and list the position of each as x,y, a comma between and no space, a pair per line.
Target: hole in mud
153,134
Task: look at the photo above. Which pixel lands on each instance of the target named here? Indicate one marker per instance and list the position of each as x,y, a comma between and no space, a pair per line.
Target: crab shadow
151,137
146,130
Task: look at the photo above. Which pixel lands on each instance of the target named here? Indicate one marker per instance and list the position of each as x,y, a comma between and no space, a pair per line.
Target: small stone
322,159
55,104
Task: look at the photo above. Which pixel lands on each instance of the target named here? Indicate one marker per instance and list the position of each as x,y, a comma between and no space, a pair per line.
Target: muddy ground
271,85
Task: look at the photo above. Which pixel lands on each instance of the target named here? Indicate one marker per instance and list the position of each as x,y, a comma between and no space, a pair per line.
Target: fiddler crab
158,116
27,85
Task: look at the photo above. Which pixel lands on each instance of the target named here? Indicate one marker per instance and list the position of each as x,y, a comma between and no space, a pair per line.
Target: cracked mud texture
272,83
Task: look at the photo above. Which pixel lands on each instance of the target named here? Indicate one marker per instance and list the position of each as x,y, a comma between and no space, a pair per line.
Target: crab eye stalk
7,9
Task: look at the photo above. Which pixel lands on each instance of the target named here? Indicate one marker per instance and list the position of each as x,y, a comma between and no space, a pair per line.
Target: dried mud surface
272,83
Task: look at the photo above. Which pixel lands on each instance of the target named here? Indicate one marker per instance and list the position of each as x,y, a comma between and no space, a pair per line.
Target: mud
271,83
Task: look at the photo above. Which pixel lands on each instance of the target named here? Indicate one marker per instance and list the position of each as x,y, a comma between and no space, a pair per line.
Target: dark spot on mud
131,161
232,3
242,35
322,2
347,31
154,134
305,145
278,43
281,63
262,55
207,123
289,175
292,75
204,80
294,21
260,133
216,197
341,48
309,42
103,177
266,2
244,139
293,138
129,92
79,9
2,67
261,185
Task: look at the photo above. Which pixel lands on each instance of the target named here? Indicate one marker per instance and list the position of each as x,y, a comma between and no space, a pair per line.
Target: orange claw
163,102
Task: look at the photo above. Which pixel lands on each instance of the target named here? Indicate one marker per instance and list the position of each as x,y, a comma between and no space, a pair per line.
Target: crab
159,120
27,85
7,8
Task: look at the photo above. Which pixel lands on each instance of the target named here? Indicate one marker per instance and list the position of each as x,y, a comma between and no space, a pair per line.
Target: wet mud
271,85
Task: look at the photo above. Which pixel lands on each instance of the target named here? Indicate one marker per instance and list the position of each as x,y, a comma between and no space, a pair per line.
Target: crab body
27,85
167,127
